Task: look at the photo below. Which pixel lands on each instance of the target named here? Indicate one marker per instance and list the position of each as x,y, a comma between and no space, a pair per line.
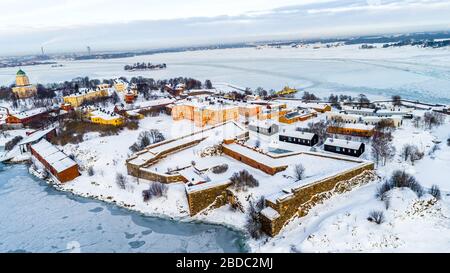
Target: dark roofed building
344,147
301,138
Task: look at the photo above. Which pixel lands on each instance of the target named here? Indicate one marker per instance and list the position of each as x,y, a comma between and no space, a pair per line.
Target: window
338,149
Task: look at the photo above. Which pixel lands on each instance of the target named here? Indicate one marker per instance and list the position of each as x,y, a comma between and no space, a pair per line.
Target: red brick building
56,162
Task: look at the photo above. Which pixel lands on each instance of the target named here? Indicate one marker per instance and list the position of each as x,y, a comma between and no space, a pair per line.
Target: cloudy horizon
70,26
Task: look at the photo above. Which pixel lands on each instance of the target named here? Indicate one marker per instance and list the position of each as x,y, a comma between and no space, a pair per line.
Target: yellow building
205,114
101,116
104,86
120,85
23,88
286,91
84,95
249,110
271,114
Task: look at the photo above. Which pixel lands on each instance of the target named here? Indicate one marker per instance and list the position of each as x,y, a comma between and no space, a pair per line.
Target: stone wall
141,171
160,177
199,200
292,206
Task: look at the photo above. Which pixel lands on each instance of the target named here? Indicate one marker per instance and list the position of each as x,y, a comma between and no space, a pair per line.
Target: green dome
20,72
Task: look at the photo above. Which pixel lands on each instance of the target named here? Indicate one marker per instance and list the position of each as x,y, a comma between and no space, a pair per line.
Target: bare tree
376,216
382,149
243,180
406,151
320,129
253,223
431,119
416,121
146,138
299,171
396,100
401,179
220,168
257,143
121,181
90,171
435,192
156,189
415,155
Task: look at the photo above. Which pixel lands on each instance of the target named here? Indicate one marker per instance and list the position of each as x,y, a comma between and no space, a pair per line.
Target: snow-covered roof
358,126
388,112
312,105
152,103
262,124
358,109
343,115
103,114
201,103
53,156
377,118
83,91
36,136
270,213
255,155
30,113
298,134
354,145
192,175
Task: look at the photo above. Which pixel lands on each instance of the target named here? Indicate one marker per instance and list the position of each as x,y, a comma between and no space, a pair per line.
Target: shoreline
245,247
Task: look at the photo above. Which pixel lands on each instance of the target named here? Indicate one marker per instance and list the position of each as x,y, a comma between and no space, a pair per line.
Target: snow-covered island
295,173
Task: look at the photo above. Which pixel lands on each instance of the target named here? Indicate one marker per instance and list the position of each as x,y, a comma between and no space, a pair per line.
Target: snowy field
413,73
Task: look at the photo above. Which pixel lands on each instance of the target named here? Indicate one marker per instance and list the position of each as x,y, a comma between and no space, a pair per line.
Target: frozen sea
34,217
412,72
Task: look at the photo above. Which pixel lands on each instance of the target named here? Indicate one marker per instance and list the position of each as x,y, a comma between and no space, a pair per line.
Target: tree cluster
243,180
156,189
144,66
309,96
382,149
253,223
411,152
146,138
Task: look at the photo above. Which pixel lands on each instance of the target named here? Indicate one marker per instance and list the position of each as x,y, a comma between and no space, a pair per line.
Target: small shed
264,127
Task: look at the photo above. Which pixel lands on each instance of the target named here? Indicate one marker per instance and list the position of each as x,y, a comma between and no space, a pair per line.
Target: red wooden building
27,117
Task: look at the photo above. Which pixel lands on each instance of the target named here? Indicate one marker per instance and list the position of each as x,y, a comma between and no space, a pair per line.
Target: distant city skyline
71,26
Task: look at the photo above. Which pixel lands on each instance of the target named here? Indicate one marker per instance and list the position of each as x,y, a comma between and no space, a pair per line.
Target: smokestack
42,50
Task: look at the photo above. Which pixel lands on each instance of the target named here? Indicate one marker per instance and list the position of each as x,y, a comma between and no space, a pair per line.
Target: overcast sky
71,25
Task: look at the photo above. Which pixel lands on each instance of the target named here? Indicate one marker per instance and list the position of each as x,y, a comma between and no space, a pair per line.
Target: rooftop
358,126
30,113
262,124
20,72
57,159
354,145
103,114
297,134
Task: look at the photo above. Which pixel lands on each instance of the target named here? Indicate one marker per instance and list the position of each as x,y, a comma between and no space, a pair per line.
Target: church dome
20,73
